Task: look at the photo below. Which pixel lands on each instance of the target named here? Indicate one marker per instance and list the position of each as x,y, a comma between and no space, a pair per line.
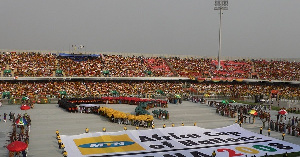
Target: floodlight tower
220,5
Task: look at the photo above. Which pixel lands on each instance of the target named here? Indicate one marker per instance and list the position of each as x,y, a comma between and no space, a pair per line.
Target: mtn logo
106,144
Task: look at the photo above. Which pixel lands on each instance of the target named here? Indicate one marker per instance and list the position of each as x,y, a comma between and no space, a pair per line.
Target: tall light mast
220,5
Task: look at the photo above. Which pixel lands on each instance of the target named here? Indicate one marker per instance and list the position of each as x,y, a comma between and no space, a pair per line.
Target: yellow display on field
107,144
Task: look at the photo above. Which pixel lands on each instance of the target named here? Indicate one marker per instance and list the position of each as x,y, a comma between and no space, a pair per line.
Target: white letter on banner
96,145
119,143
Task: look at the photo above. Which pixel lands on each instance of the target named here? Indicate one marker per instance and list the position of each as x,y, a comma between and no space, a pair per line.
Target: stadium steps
171,68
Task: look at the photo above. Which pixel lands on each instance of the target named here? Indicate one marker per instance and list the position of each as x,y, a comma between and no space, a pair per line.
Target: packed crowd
20,132
284,124
241,112
277,70
204,68
246,90
2,63
144,89
29,64
114,66
32,64
195,67
89,88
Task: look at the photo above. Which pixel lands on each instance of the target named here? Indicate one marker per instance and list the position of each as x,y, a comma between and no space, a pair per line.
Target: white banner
176,142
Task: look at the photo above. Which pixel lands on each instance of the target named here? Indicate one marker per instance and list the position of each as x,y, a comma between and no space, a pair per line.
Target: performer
57,132
260,130
65,154
214,154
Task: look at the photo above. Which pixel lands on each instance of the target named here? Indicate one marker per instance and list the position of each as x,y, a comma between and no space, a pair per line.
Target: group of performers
71,105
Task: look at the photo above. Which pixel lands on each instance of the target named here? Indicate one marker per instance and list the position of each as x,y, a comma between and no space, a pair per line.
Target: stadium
150,78
111,82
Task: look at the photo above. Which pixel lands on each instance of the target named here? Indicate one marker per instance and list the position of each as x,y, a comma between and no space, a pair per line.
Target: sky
250,28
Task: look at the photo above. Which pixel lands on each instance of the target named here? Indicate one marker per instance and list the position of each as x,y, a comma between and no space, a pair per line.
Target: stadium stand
44,69
144,88
33,64
30,64
277,70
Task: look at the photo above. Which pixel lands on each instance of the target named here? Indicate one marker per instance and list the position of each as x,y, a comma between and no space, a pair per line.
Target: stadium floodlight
77,48
220,5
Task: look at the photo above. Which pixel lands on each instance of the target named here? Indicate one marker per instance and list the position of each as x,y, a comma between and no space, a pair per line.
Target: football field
47,118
